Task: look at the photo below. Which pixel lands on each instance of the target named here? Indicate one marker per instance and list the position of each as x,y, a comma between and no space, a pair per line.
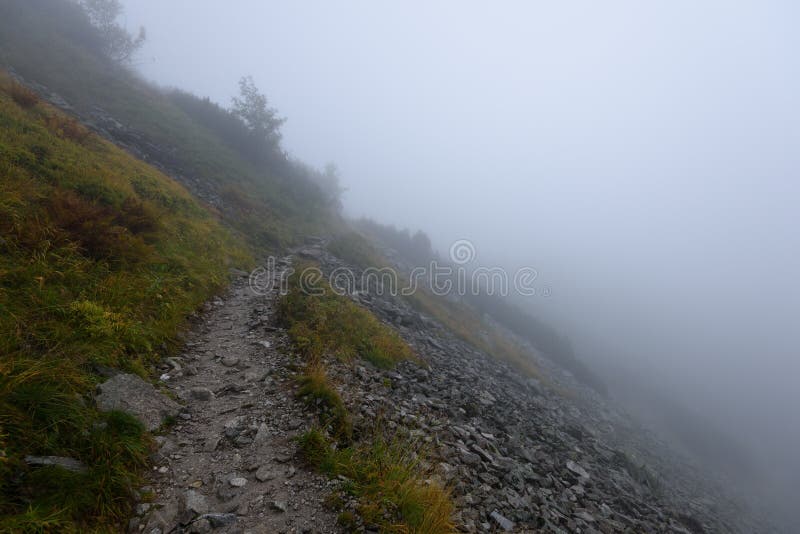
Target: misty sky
642,155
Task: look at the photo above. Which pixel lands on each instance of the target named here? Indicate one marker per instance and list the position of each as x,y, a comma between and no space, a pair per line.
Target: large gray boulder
131,394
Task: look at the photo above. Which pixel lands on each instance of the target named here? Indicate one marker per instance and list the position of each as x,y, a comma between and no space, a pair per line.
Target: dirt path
229,464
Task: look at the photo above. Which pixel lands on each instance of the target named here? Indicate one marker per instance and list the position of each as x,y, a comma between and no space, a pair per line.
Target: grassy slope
269,209
101,260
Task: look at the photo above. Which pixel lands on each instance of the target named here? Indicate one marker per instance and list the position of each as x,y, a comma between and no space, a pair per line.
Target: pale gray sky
642,155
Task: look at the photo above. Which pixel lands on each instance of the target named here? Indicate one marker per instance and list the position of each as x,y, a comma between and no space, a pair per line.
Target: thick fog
643,156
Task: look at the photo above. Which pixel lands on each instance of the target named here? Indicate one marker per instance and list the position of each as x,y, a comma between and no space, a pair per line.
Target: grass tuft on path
387,478
320,321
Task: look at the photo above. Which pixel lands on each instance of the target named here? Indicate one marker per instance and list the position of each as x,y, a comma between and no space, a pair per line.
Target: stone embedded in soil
278,506
238,482
586,516
262,434
577,469
265,473
201,526
283,458
230,361
131,394
220,520
196,502
211,444
502,522
70,464
200,393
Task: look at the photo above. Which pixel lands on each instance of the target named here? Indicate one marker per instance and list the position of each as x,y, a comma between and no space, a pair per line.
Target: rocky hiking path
516,456
228,464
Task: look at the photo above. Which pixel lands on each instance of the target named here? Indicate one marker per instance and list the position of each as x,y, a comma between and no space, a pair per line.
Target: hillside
270,201
103,258
151,382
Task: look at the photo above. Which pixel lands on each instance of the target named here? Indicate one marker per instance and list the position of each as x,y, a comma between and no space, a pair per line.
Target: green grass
388,479
328,323
101,260
318,391
44,41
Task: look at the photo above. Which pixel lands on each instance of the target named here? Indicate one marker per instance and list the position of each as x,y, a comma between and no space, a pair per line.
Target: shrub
68,128
98,229
235,198
314,447
137,217
386,475
413,248
317,389
24,97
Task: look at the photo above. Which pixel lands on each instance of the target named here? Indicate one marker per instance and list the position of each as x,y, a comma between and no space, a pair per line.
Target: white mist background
642,155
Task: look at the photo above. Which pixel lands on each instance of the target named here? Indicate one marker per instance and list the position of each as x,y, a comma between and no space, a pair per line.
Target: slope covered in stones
522,454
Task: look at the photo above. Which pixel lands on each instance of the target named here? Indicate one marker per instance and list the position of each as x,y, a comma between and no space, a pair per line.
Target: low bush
23,96
68,128
98,230
317,389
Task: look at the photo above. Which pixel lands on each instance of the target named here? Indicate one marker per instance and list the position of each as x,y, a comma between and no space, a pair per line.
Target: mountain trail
228,464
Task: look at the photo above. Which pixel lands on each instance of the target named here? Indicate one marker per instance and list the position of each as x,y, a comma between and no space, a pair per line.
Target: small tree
331,186
252,107
118,44
421,246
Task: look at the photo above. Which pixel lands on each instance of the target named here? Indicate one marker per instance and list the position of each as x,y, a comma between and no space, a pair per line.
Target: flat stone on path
230,361
130,394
